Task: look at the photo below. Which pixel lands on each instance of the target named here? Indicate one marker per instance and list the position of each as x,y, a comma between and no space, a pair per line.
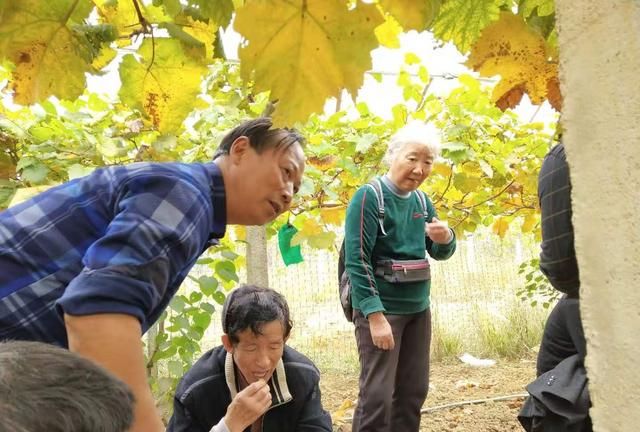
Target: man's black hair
260,135
251,307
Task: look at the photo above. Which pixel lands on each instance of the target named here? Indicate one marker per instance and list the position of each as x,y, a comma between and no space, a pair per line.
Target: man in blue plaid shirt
91,264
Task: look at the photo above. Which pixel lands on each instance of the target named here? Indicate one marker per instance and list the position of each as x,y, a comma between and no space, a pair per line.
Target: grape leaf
521,56
163,84
305,51
412,14
50,48
462,21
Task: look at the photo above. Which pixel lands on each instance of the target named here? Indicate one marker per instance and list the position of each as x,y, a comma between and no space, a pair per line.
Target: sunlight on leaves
305,51
411,14
518,54
50,52
154,86
462,21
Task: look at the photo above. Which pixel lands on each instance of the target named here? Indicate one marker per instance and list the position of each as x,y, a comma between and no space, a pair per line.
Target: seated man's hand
248,406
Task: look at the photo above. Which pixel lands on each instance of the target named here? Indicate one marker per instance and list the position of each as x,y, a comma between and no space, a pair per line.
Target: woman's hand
381,333
438,231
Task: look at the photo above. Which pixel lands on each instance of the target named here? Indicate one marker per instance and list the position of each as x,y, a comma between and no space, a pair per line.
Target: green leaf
208,307
163,84
541,7
219,11
462,21
219,297
208,285
202,320
77,170
35,174
205,260
227,271
177,304
230,255
175,368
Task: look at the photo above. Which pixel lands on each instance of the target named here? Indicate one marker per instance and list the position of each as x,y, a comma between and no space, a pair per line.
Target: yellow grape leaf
104,58
462,21
322,163
412,14
163,85
305,51
240,232
123,15
442,169
323,240
340,414
529,222
202,31
388,33
500,227
518,54
310,227
49,57
7,166
333,215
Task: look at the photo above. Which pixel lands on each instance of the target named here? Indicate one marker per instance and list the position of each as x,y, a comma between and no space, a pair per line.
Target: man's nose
263,360
287,193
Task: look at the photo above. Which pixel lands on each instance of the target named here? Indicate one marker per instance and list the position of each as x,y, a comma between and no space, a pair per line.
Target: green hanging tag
290,254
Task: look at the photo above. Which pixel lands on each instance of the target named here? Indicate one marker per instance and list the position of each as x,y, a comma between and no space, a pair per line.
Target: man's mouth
277,208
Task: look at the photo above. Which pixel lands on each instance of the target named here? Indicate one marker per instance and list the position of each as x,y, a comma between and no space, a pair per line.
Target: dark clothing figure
205,392
559,398
563,335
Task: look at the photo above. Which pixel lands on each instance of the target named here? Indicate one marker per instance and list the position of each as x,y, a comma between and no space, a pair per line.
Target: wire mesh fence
472,295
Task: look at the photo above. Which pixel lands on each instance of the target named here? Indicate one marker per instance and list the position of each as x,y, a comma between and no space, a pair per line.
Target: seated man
44,388
253,380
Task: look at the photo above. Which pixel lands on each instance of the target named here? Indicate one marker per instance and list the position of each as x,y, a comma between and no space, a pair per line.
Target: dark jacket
559,400
205,392
558,256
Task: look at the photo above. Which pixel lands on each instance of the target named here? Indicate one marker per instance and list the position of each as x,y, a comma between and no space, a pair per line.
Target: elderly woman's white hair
414,132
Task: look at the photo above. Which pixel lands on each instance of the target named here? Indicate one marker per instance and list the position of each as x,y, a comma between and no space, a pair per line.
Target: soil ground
450,384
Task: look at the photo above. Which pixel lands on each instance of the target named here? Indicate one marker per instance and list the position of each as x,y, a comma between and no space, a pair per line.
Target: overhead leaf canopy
299,52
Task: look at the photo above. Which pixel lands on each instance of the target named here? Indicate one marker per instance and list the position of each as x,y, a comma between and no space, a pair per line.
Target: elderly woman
390,225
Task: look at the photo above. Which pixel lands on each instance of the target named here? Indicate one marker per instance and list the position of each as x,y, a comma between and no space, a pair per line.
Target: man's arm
114,342
558,256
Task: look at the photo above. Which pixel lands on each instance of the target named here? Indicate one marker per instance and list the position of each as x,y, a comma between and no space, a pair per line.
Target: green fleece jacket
405,240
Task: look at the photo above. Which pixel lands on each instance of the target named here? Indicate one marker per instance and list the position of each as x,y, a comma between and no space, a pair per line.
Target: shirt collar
280,393
218,199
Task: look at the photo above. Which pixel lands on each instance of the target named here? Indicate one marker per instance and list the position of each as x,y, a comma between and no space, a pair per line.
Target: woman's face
411,165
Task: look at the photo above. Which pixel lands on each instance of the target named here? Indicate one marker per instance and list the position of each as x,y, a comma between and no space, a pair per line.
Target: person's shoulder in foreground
49,389
253,378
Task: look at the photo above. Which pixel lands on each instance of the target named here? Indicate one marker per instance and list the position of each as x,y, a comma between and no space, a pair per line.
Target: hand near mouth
248,406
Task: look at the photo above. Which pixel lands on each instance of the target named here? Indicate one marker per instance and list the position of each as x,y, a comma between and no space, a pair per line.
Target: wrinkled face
269,182
411,166
256,356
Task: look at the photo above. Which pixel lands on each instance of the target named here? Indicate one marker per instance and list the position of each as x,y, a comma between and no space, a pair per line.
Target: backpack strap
423,203
376,185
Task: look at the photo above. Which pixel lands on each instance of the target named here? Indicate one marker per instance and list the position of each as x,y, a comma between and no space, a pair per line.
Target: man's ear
239,148
226,342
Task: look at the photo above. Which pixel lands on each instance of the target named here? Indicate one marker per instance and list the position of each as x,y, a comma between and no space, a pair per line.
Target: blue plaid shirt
120,240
